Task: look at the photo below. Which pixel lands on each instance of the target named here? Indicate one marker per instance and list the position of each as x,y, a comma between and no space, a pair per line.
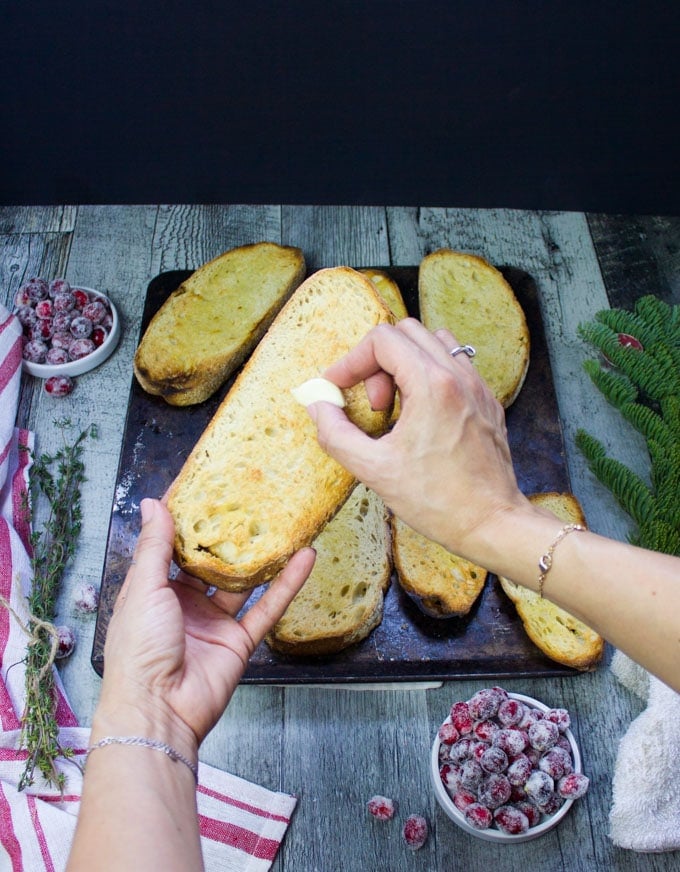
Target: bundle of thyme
59,478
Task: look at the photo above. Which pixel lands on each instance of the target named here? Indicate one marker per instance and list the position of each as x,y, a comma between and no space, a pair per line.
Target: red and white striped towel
241,824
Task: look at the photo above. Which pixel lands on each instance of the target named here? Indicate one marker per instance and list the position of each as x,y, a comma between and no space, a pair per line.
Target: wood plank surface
336,747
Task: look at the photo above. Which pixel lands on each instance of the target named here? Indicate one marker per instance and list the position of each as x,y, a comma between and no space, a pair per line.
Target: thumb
153,551
343,440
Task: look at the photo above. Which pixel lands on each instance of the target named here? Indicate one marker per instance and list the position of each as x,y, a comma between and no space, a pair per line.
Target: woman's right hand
445,467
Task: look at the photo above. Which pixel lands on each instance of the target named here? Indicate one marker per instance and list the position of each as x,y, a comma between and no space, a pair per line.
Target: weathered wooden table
337,746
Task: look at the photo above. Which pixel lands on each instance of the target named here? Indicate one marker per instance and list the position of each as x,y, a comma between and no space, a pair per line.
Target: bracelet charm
546,561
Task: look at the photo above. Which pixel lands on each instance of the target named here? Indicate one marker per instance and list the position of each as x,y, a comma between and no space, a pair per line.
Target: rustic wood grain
336,747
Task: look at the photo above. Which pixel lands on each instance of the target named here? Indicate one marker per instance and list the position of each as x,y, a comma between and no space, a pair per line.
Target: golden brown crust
208,326
470,297
257,486
442,584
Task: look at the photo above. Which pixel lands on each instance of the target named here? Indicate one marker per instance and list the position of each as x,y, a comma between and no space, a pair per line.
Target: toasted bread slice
211,323
389,290
472,299
558,634
342,600
442,584
258,486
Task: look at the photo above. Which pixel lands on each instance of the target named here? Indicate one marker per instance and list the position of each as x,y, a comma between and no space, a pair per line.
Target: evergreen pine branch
628,488
616,388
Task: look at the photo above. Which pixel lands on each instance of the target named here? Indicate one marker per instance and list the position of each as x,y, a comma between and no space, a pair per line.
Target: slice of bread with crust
342,600
389,290
442,584
558,634
471,298
257,485
210,324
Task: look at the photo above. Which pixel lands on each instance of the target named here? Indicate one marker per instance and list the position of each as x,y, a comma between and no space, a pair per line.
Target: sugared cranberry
64,302
478,816
95,311
532,812
415,831
485,730
510,712
511,820
81,327
80,348
519,770
57,356
461,718
59,286
494,791
448,734
573,786
59,385
543,735
556,762
381,807
62,340
87,600
44,308
539,787
62,321
98,336
43,329
35,351
81,298
560,717
67,642
513,742
463,798
494,759
26,315
484,704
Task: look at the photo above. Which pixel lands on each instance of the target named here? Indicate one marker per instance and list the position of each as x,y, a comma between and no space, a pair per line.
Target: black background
545,105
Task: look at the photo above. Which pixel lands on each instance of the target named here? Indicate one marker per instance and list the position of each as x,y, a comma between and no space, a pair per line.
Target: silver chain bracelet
144,743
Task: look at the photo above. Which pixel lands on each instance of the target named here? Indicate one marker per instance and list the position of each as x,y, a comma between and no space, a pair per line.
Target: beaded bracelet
546,561
144,743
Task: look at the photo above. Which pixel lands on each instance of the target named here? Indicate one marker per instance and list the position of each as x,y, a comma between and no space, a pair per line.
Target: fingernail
147,509
312,411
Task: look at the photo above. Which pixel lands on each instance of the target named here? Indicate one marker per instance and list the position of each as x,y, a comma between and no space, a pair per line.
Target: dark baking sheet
407,646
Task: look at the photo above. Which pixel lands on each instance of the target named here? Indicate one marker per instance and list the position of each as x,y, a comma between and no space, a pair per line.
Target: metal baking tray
489,642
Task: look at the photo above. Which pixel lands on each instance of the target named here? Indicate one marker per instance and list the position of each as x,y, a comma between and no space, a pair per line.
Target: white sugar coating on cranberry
381,807
461,750
529,717
43,328
87,599
81,327
560,717
59,385
494,759
539,787
82,298
573,786
461,717
485,730
34,289
513,742
484,704
450,777
510,712
494,791
415,831
478,816
471,773
556,762
64,302
26,315
56,356
107,323
62,340
44,308
519,770
66,643
59,286
95,311
448,734
80,348
62,321
463,798
509,819
543,735
552,804
532,811
35,351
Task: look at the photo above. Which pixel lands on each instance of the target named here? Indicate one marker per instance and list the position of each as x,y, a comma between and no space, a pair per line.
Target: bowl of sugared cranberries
68,330
506,767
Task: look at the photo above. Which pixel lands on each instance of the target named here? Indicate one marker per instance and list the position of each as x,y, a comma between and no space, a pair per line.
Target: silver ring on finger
210,590
463,349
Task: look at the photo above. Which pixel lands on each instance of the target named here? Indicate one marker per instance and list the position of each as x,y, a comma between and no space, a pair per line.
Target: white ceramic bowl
90,361
547,823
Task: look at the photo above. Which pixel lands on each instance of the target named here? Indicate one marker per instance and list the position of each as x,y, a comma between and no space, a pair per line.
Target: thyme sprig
58,478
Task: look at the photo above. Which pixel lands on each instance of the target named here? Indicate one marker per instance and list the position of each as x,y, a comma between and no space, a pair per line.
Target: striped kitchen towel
241,824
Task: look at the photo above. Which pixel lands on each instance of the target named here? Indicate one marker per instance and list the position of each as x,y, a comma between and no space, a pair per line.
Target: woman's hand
173,656
445,468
